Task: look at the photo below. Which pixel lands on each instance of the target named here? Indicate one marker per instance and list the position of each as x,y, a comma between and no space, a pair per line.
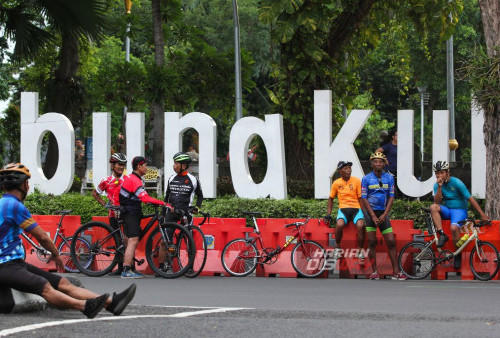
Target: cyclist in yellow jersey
347,188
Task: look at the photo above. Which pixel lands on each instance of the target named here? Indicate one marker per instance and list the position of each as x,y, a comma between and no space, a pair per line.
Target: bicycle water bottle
462,240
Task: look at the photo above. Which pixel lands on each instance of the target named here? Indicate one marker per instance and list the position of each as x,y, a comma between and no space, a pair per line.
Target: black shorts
25,277
132,223
385,227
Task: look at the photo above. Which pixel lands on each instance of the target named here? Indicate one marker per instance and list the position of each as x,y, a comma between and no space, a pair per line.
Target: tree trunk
490,13
298,157
61,97
157,106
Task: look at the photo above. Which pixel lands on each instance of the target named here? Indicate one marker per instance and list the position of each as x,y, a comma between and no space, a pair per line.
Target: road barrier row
219,231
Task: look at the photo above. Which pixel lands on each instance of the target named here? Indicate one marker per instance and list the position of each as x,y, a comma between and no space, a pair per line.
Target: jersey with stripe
181,189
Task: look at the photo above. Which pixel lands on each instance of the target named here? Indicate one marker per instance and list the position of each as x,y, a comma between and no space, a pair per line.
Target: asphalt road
251,306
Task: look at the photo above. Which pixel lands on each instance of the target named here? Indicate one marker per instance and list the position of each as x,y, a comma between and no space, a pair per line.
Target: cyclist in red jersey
111,187
132,194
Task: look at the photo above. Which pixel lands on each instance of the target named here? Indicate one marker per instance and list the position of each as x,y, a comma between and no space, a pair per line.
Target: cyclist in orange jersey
347,188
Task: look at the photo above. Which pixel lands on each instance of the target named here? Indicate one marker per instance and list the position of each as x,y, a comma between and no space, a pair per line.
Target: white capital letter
33,129
271,132
478,149
101,146
326,156
135,137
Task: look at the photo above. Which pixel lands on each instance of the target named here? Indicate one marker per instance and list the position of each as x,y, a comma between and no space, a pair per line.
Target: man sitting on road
450,202
132,193
111,187
17,274
348,190
377,195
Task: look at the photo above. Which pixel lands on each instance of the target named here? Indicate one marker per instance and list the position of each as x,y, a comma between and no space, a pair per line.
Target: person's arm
476,206
369,210
98,198
45,241
329,206
438,196
387,209
145,198
199,194
379,150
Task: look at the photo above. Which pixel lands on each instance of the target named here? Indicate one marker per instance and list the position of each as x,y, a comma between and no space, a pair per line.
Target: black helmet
441,165
118,158
182,158
14,174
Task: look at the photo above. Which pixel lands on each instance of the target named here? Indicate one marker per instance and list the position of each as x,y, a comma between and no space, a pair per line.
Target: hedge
227,207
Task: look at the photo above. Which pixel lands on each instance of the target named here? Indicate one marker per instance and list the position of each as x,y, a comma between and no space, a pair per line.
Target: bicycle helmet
378,155
14,174
182,158
118,158
441,165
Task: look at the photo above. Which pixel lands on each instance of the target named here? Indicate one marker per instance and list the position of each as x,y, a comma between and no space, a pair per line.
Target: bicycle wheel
484,262
65,251
239,257
172,245
416,260
103,255
308,258
200,256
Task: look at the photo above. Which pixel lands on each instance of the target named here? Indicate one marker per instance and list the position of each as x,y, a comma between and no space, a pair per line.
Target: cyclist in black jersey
181,190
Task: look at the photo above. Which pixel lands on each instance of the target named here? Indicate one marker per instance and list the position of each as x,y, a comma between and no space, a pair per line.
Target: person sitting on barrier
132,194
16,274
347,188
111,187
450,202
181,189
377,195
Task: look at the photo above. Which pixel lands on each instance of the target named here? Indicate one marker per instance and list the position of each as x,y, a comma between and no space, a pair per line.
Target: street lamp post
237,63
128,8
424,97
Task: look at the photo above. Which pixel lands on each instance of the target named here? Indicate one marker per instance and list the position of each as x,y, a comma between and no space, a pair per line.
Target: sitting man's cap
343,164
138,160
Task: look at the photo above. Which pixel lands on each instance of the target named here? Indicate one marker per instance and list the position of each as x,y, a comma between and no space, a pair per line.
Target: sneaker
361,259
442,239
458,261
375,276
120,300
131,274
94,305
399,276
138,273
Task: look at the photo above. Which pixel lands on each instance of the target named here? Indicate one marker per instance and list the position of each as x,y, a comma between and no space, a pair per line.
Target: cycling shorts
132,220
24,277
454,215
385,227
350,214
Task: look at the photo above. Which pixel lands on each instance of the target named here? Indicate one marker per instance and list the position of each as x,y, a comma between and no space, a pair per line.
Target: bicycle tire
232,259
484,263
422,260
103,255
179,252
200,257
65,252
304,255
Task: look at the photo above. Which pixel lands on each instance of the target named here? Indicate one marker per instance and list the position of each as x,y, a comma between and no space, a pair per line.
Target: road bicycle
241,256
484,257
63,248
200,245
107,246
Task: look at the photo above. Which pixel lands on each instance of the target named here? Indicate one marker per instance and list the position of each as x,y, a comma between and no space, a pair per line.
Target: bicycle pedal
140,262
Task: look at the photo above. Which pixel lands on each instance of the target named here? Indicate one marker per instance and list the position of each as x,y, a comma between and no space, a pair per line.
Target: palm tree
32,24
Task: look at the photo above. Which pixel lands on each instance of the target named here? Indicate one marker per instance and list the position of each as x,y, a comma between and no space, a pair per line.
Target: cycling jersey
14,218
455,193
132,193
181,189
111,187
348,192
377,190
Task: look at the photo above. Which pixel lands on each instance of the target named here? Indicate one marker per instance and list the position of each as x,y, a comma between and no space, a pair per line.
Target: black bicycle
107,246
186,220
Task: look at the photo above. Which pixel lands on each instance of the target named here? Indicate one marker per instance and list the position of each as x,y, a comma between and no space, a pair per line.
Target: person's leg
390,241
162,252
372,243
360,225
59,299
438,213
339,231
128,260
114,224
436,216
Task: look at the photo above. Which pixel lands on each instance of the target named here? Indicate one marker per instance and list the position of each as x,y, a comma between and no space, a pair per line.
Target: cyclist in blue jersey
17,274
450,202
377,195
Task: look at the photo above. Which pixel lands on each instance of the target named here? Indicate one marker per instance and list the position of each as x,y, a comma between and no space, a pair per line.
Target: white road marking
25,328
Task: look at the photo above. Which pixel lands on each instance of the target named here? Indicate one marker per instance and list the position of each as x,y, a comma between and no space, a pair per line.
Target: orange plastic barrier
49,224
490,234
349,266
